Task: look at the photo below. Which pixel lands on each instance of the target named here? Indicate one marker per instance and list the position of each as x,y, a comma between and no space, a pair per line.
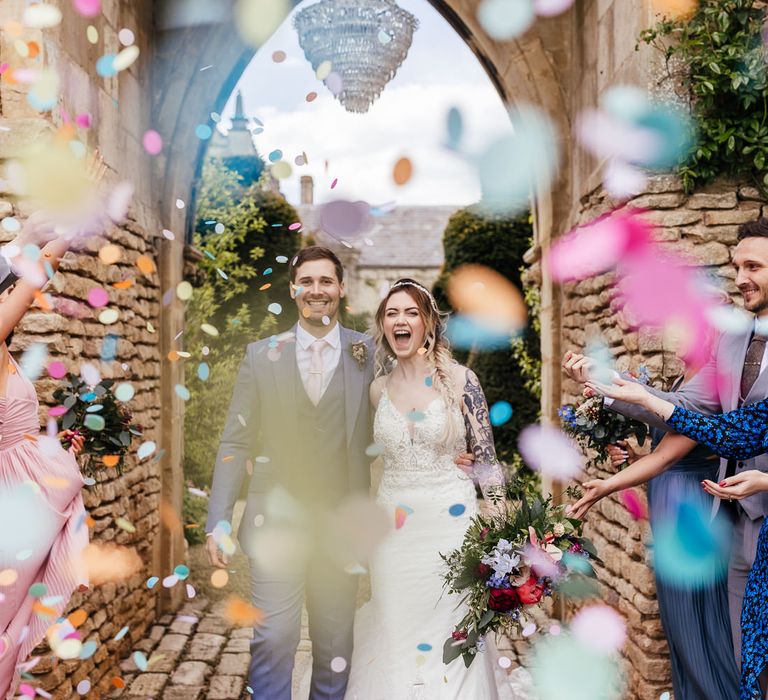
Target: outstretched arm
480,440
671,449
738,434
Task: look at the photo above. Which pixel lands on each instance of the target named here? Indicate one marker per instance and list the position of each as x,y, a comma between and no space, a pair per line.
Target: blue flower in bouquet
498,581
567,414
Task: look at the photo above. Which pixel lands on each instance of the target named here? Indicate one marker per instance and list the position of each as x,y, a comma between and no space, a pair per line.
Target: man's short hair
753,229
316,252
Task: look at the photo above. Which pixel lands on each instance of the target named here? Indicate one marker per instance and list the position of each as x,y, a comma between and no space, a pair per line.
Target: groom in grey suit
299,422
734,376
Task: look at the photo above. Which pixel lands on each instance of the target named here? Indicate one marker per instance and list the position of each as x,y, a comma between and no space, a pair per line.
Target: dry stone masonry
703,228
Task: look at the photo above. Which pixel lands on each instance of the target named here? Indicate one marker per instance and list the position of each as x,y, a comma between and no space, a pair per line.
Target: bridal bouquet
595,427
506,566
105,423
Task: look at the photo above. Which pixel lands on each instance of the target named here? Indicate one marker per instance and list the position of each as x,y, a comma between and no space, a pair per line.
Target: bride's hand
593,491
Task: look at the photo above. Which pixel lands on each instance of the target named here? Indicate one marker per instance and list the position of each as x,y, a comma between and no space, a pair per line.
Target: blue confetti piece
276,225
109,347
209,254
203,371
203,132
182,392
268,271
465,333
152,581
140,660
88,649
455,128
181,571
88,396
500,412
424,647
105,66
121,633
415,416
428,381
457,509
95,408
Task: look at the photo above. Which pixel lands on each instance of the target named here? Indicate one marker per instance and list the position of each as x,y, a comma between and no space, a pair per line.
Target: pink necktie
315,378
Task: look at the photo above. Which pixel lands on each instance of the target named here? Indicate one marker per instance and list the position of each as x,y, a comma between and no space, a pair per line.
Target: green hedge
499,242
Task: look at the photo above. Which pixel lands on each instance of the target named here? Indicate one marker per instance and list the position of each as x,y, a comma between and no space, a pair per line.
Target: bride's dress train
399,634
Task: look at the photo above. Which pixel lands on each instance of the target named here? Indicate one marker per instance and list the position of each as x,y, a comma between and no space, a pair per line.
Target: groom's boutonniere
359,352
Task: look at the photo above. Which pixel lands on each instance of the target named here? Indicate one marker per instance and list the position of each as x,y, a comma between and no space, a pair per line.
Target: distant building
237,149
404,242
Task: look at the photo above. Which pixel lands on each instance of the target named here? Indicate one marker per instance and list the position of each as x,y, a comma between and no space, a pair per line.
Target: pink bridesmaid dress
43,529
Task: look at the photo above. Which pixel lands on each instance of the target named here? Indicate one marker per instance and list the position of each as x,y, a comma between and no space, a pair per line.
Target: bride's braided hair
436,346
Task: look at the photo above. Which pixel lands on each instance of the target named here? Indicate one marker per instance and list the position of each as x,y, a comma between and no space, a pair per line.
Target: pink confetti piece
87,8
153,142
98,297
549,451
57,411
84,120
600,628
295,226
633,503
333,184
598,246
57,370
3,67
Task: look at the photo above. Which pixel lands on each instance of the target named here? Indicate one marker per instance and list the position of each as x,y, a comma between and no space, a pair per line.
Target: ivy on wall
715,58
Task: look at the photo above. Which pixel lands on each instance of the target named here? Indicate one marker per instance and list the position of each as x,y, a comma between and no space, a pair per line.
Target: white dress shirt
331,354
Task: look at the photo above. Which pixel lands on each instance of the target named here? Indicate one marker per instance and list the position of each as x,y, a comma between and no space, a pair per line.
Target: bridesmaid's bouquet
507,565
95,413
595,427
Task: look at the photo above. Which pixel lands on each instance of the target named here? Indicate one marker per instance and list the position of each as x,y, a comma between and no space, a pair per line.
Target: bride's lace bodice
415,451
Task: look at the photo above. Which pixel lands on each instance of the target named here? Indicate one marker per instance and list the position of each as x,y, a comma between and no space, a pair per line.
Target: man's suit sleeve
699,394
238,444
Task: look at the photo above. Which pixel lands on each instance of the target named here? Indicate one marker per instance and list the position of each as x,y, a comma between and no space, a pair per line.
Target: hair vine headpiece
409,283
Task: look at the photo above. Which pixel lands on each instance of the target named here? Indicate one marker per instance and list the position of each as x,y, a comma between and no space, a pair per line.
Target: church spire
239,120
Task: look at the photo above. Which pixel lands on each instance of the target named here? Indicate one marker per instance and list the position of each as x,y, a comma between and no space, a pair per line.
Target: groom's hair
316,252
753,229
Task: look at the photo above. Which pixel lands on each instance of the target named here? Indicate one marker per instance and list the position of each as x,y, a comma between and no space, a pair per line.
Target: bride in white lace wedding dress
399,634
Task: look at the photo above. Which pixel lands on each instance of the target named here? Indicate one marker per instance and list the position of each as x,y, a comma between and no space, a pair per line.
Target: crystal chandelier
363,41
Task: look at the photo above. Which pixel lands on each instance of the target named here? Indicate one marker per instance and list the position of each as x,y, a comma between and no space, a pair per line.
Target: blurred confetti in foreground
106,562
549,450
490,310
563,666
691,549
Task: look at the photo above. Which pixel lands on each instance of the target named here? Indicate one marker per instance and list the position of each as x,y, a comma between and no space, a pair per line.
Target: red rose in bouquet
502,599
483,570
531,591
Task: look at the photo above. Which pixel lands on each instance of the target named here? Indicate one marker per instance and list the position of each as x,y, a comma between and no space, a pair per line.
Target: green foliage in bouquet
100,418
595,427
508,564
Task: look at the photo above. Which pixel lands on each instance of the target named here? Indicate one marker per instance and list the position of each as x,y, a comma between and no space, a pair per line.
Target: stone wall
73,334
702,227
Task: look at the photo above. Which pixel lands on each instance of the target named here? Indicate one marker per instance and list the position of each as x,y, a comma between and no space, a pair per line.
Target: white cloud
408,119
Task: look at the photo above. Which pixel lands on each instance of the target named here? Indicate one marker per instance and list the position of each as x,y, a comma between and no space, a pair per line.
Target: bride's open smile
403,325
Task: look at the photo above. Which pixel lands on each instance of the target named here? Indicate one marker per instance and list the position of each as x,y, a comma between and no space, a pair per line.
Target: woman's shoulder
461,376
377,386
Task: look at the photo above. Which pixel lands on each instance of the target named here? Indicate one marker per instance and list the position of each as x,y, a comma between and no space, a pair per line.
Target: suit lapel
735,349
353,382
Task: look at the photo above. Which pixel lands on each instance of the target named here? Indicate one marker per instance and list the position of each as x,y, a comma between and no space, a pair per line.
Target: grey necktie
752,361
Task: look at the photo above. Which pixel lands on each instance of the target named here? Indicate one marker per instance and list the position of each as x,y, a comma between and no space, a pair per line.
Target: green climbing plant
715,58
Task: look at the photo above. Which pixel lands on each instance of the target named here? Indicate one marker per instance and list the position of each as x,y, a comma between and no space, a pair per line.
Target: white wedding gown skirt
399,634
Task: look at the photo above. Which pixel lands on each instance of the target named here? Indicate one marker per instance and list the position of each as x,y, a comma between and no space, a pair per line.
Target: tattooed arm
480,439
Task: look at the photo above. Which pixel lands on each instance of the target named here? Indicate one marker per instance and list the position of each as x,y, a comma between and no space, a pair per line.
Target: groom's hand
466,462
215,556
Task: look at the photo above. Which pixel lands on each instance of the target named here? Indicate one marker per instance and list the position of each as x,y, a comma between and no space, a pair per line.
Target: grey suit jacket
263,421
715,389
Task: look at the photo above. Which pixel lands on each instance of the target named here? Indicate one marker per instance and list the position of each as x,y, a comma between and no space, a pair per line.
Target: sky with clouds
408,119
